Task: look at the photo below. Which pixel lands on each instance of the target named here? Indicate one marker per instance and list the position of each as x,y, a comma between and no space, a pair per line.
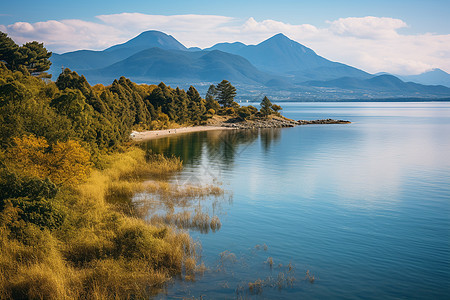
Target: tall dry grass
103,250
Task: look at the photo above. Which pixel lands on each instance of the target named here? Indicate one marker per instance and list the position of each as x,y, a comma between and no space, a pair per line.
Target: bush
229,111
39,211
13,185
244,113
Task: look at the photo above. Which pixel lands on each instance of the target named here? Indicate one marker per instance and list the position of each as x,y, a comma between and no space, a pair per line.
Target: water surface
365,207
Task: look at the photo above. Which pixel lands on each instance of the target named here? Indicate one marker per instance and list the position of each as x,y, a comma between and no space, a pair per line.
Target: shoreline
139,136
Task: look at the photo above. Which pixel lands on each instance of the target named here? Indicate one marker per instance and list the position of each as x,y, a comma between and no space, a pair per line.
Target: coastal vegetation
69,227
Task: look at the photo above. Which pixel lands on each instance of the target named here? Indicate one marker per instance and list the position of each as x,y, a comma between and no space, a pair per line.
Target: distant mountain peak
436,70
280,36
149,39
434,76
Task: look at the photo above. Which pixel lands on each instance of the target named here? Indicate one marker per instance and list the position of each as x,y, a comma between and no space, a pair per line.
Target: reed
270,262
256,287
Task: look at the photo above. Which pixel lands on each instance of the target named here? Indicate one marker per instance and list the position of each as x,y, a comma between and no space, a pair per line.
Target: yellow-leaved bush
63,163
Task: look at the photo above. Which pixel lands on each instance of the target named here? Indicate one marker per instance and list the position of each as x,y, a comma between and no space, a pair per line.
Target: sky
395,36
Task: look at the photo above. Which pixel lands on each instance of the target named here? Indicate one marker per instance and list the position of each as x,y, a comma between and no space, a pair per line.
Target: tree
35,58
210,99
8,51
196,104
276,108
32,57
266,106
211,93
225,93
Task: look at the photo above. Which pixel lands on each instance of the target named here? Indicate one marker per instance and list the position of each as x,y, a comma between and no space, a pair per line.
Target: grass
182,205
103,250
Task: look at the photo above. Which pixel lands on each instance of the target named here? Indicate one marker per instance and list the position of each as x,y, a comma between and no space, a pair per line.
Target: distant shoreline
397,100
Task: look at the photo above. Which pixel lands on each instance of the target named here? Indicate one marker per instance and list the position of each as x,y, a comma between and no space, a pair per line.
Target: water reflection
221,146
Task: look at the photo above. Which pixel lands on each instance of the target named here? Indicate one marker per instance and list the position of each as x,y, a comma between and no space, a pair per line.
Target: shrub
39,211
229,111
244,113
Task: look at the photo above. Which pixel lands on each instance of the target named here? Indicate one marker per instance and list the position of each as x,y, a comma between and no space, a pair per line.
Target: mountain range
278,67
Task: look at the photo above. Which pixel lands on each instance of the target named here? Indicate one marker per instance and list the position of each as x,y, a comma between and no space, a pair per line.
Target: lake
364,208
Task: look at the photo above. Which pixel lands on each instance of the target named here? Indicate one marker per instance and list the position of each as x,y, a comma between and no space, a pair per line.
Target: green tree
266,106
276,108
32,57
196,104
35,58
225,93
9,51
211,93
210,99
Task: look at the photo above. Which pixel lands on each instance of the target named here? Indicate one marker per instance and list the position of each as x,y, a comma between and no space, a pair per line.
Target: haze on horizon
405,37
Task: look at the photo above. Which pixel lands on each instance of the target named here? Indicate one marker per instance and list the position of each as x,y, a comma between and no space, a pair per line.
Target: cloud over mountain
373,44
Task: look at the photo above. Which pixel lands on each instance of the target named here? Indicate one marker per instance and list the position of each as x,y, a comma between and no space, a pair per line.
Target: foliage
276,108
31,58
225,93
244,112
266,107
65,163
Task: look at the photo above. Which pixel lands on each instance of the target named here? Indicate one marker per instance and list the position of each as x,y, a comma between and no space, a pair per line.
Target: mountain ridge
278,66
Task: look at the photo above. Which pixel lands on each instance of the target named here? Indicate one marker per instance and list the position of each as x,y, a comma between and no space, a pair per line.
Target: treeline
100,116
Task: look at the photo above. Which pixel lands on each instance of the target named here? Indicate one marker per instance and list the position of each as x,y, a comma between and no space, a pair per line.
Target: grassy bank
100,248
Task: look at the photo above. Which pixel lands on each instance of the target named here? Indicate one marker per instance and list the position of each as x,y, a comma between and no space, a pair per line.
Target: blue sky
373,35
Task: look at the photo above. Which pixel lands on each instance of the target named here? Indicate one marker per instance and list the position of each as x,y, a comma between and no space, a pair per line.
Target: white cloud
370,43
367,27
66,35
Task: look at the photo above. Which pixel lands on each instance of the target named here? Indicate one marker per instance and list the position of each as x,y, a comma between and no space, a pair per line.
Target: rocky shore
325,121
273,122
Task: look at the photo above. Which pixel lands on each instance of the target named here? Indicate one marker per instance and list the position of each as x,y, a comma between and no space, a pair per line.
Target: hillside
156,65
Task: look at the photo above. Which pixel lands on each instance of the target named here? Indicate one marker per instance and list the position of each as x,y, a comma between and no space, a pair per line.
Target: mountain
433,77
88,59
383,84
278,67
157,65
227,47
146,40
283,56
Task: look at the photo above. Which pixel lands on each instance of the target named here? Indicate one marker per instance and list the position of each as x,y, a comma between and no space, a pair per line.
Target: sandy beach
155,134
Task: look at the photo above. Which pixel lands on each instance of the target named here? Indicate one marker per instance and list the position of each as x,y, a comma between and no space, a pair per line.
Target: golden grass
186,200
102,250
256,287
270,262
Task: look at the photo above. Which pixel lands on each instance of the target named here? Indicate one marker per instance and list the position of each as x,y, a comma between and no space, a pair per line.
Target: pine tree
225,93
30,58
211,93
35,58
9,51
266,106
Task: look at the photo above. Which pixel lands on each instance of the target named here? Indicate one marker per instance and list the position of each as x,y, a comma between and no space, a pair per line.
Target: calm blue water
365,207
